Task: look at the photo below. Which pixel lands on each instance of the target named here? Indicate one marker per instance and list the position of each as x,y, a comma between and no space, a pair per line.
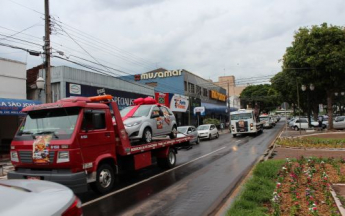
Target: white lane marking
145,180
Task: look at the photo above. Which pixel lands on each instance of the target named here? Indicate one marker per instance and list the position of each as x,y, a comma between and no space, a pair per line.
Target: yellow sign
218,96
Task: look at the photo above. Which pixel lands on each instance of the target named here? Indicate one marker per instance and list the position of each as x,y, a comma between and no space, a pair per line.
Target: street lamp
40,85
311,88
340,108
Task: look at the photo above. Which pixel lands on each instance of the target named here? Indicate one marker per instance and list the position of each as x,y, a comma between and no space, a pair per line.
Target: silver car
149,120
207,131
191,131
36,197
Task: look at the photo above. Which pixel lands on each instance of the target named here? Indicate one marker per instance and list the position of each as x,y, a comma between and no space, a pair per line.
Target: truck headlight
132,124
14,156
63,156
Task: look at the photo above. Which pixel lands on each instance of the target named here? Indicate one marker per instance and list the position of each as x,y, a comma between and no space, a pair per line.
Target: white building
12,100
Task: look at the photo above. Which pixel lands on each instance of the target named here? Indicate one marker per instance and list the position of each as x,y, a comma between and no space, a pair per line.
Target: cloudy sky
210,38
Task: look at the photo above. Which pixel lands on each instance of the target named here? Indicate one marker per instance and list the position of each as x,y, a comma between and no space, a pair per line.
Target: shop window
152,84
205,92
191,87
198,90
185,86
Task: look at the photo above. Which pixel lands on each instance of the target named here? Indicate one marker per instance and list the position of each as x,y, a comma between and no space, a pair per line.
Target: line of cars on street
297,123
206,131
269,121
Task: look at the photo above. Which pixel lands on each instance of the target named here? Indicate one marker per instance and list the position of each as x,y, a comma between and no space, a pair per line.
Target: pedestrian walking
221,127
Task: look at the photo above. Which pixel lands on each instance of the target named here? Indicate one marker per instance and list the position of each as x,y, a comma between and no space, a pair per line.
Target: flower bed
291,187
311,142
302,187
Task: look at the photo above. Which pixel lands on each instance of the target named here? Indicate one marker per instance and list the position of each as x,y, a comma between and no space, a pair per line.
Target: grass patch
311,142
257,191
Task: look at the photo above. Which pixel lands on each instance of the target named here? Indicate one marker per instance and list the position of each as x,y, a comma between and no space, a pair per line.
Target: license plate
34,177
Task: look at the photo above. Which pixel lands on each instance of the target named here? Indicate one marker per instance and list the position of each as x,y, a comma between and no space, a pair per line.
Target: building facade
73,82
234,91
12,101
190,91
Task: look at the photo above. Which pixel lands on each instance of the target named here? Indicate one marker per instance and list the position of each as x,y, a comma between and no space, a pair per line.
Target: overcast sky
209,38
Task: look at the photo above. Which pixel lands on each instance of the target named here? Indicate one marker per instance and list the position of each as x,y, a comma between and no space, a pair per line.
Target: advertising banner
179,103
200,110
162,98
15,106
40,151
122,98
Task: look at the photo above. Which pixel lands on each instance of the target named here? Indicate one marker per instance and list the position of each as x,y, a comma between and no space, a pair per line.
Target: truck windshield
60,122
241,116
264,119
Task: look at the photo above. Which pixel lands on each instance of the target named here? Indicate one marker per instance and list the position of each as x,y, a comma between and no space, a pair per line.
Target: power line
103,42
19,31
26,7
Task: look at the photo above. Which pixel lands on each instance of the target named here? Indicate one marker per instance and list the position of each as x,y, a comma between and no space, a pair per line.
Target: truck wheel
147,135
173,133
168,162
295,128
104,179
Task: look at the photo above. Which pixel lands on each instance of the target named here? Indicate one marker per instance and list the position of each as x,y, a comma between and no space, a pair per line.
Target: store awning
217,109
10,106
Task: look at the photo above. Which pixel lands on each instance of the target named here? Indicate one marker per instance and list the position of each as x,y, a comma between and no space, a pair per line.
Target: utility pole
47,53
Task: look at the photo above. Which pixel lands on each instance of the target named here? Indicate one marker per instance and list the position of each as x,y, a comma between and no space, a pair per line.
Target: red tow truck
55,143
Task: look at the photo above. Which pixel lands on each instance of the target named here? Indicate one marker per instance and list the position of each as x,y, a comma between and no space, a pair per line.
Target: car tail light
74,209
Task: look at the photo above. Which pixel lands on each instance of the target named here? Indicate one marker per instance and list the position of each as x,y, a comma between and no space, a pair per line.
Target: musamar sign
158,74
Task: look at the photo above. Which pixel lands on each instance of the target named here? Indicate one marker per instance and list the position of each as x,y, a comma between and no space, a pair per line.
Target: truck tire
168,162
147,135
296,128
104,180
173,133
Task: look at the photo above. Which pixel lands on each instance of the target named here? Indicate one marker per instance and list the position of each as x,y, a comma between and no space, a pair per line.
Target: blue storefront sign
14,106
122,98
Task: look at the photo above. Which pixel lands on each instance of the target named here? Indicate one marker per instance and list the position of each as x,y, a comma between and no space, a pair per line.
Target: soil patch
282,153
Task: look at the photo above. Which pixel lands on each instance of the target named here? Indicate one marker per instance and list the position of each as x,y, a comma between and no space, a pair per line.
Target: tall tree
263,97
317,56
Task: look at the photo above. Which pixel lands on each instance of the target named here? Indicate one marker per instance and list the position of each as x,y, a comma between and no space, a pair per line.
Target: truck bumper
75,181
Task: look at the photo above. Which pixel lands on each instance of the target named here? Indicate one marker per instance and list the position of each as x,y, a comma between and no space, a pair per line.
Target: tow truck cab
64,142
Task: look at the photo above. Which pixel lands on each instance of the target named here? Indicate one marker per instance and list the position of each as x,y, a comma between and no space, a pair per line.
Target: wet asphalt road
203,177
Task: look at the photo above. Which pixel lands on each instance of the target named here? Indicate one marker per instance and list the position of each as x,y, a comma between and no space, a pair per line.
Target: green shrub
211,121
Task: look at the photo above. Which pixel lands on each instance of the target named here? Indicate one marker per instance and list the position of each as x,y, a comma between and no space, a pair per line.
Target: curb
243,180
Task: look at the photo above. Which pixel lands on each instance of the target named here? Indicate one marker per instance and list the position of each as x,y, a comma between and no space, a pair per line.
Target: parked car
188,131
207,131
36,197
338,122
302,123
145,121
268,121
